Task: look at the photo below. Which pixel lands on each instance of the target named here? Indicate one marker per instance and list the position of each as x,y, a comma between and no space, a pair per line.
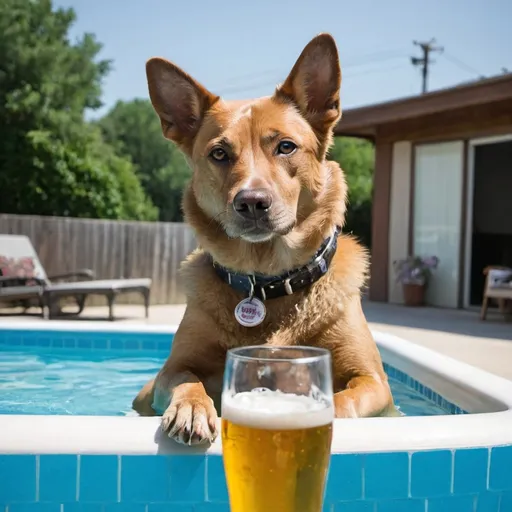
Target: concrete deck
455,333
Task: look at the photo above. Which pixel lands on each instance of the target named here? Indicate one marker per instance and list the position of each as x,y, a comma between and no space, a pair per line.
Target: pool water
104,383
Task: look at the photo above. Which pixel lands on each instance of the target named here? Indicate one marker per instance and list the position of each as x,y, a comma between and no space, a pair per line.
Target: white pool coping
87,326
487,396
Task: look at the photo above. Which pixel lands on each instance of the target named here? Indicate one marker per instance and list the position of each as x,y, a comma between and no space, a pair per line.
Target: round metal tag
250,312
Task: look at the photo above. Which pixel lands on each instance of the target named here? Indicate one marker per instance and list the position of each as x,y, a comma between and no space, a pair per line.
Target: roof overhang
364,121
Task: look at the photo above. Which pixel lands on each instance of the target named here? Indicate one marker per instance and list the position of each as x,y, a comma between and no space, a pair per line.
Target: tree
357,158
133,128
51,161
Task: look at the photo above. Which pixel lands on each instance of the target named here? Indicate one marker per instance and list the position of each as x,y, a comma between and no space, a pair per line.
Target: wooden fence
113,249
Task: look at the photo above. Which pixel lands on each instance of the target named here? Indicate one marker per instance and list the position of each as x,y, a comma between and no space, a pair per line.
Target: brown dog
263,202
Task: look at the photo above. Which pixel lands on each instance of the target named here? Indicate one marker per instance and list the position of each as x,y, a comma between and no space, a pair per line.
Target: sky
242,49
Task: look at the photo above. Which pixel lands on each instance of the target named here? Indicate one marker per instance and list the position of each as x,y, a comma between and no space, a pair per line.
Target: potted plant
414,273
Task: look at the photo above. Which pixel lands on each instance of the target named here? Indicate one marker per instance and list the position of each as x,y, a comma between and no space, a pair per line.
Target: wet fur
309,197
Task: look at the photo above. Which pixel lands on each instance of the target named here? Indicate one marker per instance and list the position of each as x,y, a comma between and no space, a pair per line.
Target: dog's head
259,169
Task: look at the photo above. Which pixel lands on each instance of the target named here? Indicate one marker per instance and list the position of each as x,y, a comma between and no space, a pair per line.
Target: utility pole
426,48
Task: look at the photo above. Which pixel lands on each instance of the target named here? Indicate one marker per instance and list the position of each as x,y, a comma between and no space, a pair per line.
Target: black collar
270,287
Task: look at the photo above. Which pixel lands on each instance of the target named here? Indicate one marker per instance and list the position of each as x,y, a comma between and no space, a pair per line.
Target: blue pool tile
127,507
355,506
69,342
116,344
500,477
15,341
211,507
30,341
386,475
431,473
488,502
506,502
17,478
216,481
187,478
130,344
98,478
409,505
174,507
145,478
57,477
83,507
345,480
148,345
452,504
470,470
164,346
43,341
58,343
99,344
84,343
34,507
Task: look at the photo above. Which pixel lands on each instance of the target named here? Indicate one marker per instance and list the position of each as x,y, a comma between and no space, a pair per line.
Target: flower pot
414,294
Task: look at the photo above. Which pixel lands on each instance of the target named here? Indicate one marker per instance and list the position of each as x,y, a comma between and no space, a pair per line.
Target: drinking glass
277,415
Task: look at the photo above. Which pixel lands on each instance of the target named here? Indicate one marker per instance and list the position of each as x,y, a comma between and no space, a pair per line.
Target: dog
272,267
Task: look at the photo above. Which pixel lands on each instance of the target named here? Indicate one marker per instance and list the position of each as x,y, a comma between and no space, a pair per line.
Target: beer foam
266,409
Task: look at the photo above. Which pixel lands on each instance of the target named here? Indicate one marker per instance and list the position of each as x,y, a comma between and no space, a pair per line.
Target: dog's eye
219,155
286,147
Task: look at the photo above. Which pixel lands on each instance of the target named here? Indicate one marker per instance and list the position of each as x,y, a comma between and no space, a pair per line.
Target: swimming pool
86,453
58,380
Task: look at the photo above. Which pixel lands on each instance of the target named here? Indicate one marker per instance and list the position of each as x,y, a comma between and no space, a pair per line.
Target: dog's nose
253,203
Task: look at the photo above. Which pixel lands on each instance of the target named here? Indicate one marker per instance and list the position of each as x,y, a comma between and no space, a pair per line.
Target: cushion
20,269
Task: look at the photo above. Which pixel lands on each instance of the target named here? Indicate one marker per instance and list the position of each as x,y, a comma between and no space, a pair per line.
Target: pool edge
142,436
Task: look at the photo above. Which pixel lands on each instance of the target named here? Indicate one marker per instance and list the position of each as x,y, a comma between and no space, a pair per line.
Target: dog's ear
178,99
314,85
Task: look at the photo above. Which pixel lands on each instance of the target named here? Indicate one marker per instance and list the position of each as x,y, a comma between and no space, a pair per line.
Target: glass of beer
277,415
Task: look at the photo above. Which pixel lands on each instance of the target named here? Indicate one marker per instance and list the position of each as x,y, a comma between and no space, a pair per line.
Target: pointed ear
314,85
178,99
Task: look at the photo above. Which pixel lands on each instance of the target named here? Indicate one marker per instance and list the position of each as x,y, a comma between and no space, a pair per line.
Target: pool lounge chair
15,292
498,286
24,281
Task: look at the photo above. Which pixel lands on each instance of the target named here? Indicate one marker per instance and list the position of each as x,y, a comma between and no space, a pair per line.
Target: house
442,186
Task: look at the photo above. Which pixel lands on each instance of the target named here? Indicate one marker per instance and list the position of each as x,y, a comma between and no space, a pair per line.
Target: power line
232,90
377,70
361,60
462,65
375,57
426,48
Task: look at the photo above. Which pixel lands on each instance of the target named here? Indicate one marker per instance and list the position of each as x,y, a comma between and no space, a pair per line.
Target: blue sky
241,49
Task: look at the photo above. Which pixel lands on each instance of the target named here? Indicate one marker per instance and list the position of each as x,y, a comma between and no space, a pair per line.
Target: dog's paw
344,407
190,422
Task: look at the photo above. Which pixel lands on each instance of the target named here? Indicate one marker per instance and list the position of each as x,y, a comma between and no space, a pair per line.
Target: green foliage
356,158
135,204
133,128
51,161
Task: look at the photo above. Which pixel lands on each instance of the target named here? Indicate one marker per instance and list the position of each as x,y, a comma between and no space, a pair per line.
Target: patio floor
455,333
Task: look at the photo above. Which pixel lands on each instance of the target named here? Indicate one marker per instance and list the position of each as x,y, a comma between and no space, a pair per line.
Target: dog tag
250,312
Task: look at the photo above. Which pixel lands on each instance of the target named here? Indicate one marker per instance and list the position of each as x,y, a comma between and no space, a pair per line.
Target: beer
276,449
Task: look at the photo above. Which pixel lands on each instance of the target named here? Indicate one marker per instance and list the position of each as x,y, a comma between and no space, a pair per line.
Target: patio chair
498,286
24,281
